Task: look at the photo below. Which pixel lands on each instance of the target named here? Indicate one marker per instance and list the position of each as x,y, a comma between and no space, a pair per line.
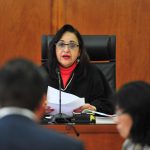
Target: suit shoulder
65,141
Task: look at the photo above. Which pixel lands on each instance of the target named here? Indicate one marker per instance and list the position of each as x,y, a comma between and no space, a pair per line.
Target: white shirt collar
5,111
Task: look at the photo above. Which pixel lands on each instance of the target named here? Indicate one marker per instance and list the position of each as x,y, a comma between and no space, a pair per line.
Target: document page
69,102
105,120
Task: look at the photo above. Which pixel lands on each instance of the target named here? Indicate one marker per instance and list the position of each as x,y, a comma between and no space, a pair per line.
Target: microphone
60,117
59,80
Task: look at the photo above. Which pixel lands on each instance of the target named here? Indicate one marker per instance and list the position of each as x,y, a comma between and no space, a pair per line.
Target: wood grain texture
128,19
103,137
22,24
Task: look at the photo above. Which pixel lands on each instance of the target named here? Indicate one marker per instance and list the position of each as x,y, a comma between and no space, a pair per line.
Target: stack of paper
69,102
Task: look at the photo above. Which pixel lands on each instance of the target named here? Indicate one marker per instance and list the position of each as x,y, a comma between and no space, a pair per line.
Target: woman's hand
86,106
48,109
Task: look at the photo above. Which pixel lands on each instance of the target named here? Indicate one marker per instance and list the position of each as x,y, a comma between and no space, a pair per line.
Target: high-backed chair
101,50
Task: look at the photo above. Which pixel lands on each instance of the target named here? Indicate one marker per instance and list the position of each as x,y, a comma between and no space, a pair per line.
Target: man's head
22,84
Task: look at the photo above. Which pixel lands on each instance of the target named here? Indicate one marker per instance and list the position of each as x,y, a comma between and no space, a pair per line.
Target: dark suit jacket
20,133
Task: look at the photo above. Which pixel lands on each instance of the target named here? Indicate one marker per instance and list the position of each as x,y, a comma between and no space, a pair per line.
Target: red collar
69,70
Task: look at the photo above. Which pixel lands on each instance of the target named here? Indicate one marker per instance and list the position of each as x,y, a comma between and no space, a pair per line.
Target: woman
68,55
133,115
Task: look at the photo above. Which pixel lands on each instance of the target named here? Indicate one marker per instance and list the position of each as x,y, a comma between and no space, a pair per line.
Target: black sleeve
100,93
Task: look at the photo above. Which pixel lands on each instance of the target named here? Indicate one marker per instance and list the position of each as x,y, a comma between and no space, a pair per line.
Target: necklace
68,83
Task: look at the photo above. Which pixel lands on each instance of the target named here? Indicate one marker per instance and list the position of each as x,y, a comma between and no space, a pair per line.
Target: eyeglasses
61,45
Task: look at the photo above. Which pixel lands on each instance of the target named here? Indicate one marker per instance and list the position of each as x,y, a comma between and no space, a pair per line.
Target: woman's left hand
86,106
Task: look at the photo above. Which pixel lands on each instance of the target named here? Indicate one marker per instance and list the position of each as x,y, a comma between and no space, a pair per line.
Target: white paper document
69,102
105,120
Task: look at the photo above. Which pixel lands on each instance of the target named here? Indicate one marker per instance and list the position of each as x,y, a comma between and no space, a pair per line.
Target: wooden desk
95,137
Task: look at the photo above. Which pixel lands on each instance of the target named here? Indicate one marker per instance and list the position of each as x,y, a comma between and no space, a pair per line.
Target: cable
98,113
71,126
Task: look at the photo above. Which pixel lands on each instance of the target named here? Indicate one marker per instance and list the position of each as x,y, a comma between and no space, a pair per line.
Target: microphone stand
60,117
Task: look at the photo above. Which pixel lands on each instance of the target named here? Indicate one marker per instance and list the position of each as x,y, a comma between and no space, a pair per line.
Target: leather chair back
101,50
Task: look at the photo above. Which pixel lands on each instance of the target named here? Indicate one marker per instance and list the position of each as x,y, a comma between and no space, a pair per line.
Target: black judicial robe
92,85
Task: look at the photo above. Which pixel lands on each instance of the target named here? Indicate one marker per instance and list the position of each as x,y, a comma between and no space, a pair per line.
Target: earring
78,60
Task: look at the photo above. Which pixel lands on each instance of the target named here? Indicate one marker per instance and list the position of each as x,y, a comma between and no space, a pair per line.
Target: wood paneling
128,19
98,136
22,22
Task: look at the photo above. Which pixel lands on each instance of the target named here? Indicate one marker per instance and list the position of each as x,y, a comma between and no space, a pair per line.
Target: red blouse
66,73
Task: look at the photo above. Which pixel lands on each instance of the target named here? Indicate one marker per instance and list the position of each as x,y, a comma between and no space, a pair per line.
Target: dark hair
134,99
22,84
52,60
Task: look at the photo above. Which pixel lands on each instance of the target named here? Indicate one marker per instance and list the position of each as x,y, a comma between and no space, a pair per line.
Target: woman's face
124,123
67,49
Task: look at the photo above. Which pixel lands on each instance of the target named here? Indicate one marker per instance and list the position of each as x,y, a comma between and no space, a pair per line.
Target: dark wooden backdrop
22,22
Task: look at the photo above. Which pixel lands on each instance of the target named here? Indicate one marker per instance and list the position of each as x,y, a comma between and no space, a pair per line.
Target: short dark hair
134,99
52,60
22,84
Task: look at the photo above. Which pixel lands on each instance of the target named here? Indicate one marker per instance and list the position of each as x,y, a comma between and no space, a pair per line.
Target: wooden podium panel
94,136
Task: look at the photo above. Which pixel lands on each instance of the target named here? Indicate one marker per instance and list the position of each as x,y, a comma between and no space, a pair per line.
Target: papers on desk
97,113
105,120
69,102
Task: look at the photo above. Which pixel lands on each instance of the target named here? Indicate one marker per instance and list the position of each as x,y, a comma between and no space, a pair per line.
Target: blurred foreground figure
133,115
22,88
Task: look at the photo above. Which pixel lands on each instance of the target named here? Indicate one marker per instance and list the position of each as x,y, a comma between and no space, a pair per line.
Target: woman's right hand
48,109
